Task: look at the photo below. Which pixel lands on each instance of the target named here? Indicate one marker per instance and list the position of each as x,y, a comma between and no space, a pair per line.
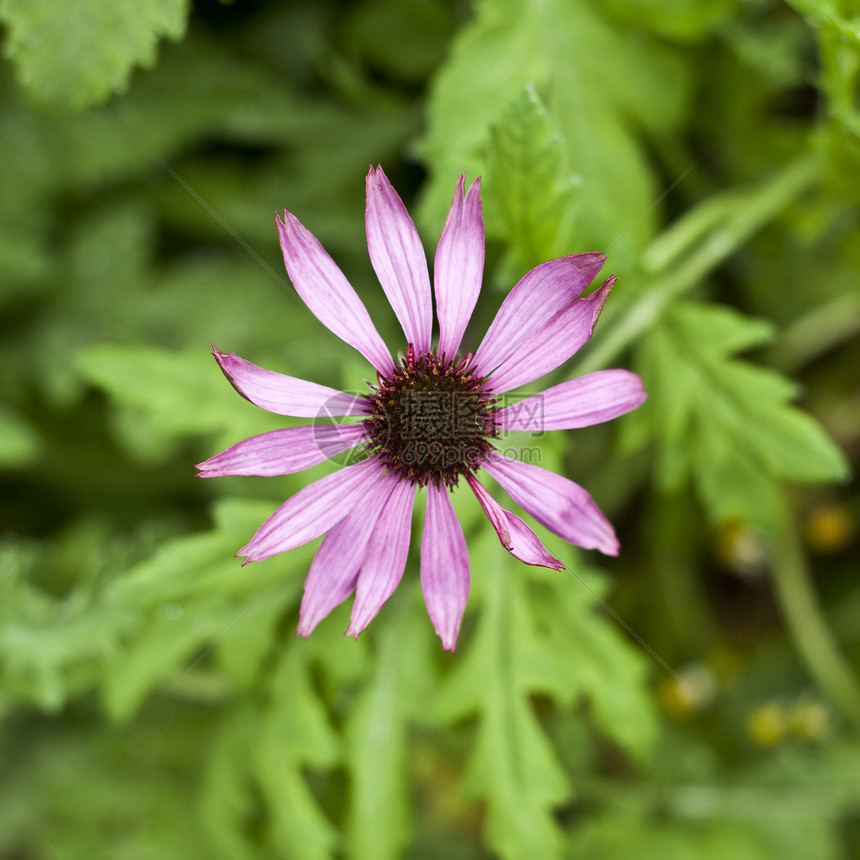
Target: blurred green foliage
77,55
696,697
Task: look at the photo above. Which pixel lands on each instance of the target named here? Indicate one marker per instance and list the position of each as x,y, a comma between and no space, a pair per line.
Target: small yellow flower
829,528
810,719
689,692
768,725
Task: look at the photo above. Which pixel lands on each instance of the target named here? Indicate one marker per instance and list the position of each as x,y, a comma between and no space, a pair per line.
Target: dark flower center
431,420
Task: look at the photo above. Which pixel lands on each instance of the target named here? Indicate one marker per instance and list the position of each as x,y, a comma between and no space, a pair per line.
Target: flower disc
431,420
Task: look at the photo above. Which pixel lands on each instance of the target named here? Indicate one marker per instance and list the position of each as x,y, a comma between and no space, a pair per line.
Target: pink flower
431,418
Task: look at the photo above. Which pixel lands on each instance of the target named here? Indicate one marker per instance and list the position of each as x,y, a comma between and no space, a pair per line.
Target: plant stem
744,217
807,624
823,328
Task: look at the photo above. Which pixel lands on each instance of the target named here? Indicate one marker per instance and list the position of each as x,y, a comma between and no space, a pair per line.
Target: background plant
696,697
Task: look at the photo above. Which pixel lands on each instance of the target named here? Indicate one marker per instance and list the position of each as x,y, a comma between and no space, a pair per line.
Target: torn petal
556,502
514,535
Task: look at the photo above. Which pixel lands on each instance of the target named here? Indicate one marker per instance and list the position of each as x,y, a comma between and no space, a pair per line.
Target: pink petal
515,536
313,510
581,402
335,567
459,267
286,395
540,295
283,452
398,260
552,344
558,503
444,566
527,547
328,294
493,510
385,559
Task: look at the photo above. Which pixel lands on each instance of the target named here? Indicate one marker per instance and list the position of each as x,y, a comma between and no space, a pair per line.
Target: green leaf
20,444
192,594
123,804
225,804
167,395
512,766
176,393
674,19
597,83
829,13
528,191
376,734
397,684
78,53
22,260
51,646
537,633
295,733
611,673
624,836
159,654
787,804
197,563
727,424
415,35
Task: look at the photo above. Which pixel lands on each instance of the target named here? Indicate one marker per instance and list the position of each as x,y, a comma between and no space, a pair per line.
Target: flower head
431,418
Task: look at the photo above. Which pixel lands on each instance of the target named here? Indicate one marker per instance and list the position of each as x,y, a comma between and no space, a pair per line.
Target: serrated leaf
527,189
563,49
51,647
295,733
191,594
162,649
585,654
376,758
725,423
76,54
225,804
512,766
538,633
165,395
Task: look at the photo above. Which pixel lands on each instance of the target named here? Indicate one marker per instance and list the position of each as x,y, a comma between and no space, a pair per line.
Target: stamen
431,420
